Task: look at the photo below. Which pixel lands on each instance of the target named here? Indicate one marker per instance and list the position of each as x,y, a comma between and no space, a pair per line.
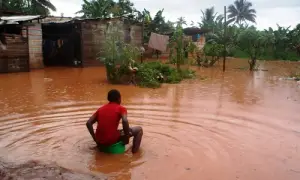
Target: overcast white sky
269,12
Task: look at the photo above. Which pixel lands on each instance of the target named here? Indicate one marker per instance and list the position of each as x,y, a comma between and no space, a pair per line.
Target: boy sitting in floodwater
108,118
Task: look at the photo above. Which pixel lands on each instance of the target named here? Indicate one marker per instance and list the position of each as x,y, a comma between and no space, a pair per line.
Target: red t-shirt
108,118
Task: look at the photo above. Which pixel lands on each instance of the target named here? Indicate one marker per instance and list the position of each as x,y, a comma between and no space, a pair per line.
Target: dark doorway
62,44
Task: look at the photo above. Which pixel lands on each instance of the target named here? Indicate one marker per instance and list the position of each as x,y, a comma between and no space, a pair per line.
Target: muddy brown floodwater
237,125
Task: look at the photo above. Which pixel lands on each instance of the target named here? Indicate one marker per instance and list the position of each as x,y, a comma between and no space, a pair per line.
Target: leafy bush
152,74
115,51
187,74
146,77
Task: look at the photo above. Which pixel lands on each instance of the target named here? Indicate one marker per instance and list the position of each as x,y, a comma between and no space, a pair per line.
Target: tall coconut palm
208,17
181,20
211,20
241,11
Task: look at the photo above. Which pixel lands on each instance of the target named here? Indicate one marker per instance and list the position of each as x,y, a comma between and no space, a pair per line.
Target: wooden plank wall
35,40
16,57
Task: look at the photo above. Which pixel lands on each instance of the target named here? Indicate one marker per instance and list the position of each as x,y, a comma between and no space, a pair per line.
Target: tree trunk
178,59
252,63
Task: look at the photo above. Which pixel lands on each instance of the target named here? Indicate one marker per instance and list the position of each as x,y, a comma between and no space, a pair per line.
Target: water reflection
118,166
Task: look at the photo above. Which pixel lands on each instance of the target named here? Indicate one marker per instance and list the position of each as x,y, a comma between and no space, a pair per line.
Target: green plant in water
116,51
152,74
253,43
215,51
176,46
110,54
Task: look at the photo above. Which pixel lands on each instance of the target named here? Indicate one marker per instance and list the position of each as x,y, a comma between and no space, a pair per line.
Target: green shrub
187,74
147,77
148,74
173,78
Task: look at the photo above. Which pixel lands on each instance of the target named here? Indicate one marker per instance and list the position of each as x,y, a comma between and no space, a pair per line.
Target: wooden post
225,39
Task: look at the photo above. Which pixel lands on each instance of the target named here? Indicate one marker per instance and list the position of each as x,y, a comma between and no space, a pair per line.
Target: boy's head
114,96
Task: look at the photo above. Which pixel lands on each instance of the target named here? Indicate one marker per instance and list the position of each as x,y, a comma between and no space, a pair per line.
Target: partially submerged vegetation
295,75
121,68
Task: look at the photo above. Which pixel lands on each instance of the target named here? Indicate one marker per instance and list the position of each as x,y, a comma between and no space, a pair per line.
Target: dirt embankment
36,171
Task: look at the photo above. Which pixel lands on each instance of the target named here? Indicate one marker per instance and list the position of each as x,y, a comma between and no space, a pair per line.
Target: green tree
281,43
33,7
211,20
97,8
181,20
176,45
241,11
107,8
252,42
156,24
294,39
123,8
14,5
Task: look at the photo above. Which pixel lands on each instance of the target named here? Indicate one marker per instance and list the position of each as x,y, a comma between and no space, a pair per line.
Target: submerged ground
237,125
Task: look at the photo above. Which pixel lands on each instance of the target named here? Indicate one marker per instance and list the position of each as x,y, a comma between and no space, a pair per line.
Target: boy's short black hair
113,95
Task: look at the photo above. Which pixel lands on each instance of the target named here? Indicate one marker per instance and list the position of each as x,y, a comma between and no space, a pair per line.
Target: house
57,41
17,52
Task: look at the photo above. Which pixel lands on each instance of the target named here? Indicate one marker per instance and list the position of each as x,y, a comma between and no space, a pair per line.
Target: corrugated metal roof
7,22
19,18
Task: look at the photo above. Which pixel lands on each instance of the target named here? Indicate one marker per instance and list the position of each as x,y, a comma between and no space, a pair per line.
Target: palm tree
208,17
211,20
241,11
40,7
44,3
181,20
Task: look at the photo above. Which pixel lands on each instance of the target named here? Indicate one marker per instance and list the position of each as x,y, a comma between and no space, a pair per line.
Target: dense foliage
253,43
107,8
152,74
176,46
244,41
32,7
